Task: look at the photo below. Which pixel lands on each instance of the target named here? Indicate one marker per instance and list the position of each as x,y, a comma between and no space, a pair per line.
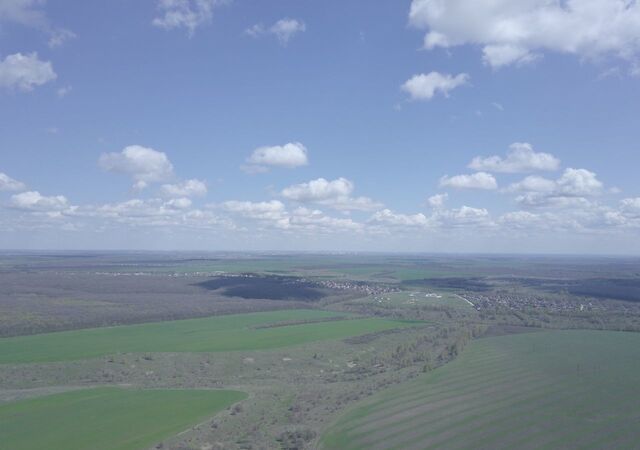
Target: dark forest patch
616,288
627,289
265,287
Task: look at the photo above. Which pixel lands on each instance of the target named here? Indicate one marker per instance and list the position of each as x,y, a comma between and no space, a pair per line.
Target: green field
107,418
211,334
560,389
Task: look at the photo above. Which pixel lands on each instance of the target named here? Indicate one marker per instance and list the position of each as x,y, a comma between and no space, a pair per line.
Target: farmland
353,351
562,389
106,418
214,334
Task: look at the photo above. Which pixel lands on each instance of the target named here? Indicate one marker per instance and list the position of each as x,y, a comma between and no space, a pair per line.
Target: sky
486,126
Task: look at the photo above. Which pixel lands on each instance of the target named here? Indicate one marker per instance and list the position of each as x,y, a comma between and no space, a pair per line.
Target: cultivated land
306,337
106,418
252,331
561,389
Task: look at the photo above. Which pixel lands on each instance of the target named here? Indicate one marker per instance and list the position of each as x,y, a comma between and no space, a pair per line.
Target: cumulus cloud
189,14
479,180
34,201
9,184
273,210
145,165
631,205
143,208
578,182
627,215
438,200
314,221
25,72
519,219
571,190
516,32
533,183
154,212
274,214
283,29
319,189
388,217
520,158
288,156
466,216
425,86
187,188
335,194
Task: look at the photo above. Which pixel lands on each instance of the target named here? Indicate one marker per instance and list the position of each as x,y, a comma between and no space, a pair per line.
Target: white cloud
138,208
520,158
438,200
29,13
313,220
145,165
189,14
388,217
272,212
319,189
153,212
352,204
503,55
9,184
288,156
579,182
464,216
553,201
572,183
479,180
627,215
533,183
571,190
188,188
519,219
631,205
425,86
64,91
60,36
179,203
24,72
34,201
512,32
24,12
273,209
335,194
256,30
283,29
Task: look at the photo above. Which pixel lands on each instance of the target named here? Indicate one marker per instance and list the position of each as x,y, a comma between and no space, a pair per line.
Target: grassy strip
212,334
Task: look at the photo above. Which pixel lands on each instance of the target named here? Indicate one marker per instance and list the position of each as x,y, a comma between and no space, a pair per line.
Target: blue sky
307,125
